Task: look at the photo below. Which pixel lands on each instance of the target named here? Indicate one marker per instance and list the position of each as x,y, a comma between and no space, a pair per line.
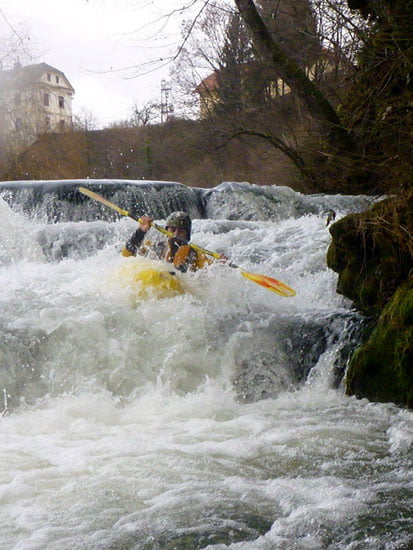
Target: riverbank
372,253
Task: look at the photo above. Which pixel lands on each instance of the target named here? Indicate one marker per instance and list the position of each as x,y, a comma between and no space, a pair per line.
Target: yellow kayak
148,278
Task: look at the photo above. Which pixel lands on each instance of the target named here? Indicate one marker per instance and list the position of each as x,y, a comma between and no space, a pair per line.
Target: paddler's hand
145,223
222,259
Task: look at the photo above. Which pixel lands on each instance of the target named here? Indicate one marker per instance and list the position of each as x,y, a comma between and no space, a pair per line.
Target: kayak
147,278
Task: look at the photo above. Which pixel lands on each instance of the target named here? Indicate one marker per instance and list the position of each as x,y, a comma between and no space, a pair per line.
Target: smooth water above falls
210,419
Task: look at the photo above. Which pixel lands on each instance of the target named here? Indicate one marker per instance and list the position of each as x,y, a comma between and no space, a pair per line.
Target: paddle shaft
268,282
161,229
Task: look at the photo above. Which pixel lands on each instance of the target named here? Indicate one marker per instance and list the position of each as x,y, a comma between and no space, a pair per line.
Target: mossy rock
372,254
382,368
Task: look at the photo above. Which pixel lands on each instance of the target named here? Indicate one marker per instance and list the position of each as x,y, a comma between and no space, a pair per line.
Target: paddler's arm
134,242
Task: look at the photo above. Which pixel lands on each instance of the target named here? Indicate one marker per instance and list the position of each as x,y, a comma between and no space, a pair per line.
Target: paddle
267,282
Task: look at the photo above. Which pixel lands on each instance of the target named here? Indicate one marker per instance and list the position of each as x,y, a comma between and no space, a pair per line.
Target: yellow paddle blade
99,198
268,282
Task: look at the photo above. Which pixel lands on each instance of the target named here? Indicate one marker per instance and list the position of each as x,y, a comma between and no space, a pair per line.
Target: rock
270,360
382,368
372,253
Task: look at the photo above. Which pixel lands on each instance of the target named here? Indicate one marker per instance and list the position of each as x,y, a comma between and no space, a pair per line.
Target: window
47,122
49,77
61,102
57,80
46,100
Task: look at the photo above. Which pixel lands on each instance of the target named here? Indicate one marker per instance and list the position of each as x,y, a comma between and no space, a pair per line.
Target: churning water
211,419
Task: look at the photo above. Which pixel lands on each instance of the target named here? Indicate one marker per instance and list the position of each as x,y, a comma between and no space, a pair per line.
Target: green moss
371,253
382,368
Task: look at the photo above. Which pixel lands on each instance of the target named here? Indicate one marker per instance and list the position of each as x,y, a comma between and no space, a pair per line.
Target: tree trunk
285,67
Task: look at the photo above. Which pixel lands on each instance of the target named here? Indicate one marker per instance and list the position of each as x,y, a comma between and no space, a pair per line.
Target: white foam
129,430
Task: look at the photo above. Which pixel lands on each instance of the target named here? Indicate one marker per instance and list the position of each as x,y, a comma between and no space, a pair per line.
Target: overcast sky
92,41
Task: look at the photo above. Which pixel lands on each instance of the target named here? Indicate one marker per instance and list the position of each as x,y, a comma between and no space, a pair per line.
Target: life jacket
183,257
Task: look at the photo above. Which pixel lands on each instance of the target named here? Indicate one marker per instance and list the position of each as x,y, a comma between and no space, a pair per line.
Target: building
208,94
258,85
34,99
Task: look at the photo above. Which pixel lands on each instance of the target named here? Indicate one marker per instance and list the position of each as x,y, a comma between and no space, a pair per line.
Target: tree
293,24
234,57
240,100
199,55
285,66
259,54
14,47
144,114
85,120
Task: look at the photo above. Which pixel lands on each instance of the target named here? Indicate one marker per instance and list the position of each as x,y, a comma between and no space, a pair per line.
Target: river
211,419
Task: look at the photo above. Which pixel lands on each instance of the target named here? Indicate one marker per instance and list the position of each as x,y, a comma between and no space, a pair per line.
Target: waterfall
213,418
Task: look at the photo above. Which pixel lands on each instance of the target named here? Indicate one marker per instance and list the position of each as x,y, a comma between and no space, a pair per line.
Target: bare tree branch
277,143
318,105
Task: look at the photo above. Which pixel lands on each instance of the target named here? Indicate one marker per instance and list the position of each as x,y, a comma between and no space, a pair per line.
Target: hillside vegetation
197,153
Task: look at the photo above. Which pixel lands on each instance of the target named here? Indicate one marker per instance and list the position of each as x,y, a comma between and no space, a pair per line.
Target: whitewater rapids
211,419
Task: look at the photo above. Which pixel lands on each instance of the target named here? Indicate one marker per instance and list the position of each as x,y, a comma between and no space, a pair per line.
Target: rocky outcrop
382,368
372,253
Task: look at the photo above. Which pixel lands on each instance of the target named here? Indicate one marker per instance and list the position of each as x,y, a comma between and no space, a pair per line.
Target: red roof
209,84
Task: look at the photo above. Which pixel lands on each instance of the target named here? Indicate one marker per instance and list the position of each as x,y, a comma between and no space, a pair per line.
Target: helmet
179,219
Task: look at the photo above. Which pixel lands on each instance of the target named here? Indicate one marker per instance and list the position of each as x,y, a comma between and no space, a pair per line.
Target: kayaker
174,250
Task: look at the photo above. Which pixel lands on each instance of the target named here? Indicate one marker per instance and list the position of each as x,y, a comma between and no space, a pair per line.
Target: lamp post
166,108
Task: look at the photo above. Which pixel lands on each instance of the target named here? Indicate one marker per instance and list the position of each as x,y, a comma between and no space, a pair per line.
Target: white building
33,100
